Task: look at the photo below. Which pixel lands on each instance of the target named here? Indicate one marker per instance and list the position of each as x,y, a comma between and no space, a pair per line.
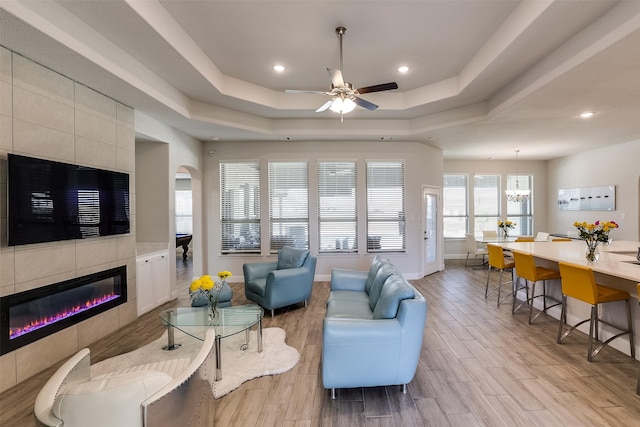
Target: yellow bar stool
560,239
525,239
579,282
638,386
497,261
527,269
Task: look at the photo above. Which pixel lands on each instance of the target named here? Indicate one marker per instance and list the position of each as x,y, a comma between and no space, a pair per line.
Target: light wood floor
480,365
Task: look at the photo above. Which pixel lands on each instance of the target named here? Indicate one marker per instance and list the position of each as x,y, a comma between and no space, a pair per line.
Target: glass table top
194,321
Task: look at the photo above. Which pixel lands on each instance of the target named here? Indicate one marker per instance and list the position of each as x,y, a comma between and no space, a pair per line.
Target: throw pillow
386,270
290,257
394,291
376,263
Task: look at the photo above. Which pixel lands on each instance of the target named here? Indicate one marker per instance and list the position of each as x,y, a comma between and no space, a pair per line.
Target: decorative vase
213,310
592,253
506,233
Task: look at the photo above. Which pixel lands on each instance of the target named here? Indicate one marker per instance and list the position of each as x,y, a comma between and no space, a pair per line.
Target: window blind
337,211
385,206
240,207
288,205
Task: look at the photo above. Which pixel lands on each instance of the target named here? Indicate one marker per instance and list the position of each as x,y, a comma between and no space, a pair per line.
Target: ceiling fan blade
336,77
325,106
379,88
365,104
320,92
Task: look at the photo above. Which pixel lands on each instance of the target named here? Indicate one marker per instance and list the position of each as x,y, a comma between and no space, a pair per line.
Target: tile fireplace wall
44,114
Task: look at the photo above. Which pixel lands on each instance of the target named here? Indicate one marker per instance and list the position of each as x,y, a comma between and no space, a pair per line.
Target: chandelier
517,195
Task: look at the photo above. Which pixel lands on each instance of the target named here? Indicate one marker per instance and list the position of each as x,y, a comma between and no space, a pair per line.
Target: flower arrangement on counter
594,233
505,226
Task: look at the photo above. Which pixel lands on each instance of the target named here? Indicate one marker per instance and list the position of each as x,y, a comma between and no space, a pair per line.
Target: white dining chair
476,249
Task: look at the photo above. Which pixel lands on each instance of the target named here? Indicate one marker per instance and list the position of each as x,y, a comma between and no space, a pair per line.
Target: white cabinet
152,280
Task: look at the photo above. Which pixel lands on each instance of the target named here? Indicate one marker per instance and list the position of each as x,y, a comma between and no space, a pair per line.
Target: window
521,213
337,212
240,207
455,215
385,206
289,205
184,215
486,202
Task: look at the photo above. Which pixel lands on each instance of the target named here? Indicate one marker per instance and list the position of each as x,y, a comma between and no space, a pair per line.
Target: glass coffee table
230,321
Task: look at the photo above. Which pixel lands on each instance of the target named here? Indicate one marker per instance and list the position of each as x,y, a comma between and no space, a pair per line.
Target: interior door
432,253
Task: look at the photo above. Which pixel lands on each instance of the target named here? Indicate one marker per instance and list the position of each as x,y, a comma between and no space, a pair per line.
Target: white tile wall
35,108
94,153
95,127
43,142
5,65
89,101
44,114
42,81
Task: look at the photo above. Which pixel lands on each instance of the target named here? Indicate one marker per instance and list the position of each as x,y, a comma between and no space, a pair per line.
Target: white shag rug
238,366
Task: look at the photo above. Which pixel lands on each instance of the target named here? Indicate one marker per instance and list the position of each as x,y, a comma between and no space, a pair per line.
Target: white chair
541,236
476,249
168,393
489,234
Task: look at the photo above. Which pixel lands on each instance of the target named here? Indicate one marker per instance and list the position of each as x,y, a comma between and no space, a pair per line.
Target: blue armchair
280,283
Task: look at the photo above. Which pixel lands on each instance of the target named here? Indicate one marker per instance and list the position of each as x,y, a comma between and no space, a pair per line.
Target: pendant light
517,195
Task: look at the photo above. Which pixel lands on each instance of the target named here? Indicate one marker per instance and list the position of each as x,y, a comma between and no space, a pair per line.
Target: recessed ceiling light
278,68
587,114
403,69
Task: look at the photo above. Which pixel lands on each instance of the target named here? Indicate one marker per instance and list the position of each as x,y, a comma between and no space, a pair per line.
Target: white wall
423,166
183,151
616,165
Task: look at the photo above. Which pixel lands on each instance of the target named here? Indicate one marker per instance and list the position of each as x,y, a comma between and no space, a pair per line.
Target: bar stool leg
594,317
630,326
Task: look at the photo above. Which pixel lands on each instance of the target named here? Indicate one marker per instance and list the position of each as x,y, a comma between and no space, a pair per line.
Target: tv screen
51,201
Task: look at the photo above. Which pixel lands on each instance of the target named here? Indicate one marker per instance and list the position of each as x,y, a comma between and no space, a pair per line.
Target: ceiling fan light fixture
342,105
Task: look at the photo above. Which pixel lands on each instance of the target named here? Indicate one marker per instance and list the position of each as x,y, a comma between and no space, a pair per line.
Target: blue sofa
281,283
373,329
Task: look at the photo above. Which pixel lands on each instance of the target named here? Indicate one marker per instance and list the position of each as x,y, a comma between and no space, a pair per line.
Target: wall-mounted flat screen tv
52,201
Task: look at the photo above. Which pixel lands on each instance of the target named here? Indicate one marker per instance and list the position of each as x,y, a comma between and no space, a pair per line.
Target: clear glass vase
592,253
213,310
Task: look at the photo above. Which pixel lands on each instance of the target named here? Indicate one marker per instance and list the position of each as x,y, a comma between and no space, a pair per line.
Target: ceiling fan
344,96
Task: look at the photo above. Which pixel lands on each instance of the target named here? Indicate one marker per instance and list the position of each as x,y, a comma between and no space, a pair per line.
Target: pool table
183,240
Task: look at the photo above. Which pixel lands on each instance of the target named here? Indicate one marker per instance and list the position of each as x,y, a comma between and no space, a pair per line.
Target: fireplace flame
65,313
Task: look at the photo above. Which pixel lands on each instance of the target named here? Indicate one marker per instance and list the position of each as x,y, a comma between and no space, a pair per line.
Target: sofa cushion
289,257
394,291
385,270
257,286
376,263
357,296
78,403
349,309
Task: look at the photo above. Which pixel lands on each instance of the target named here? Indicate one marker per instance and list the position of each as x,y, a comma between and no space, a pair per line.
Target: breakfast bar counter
617,259
617,267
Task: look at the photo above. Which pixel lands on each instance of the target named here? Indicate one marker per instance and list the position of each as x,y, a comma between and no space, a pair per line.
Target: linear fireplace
31,315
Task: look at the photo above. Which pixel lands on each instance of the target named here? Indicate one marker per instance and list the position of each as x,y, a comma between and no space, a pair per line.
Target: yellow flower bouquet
206,287
594,233
505,226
